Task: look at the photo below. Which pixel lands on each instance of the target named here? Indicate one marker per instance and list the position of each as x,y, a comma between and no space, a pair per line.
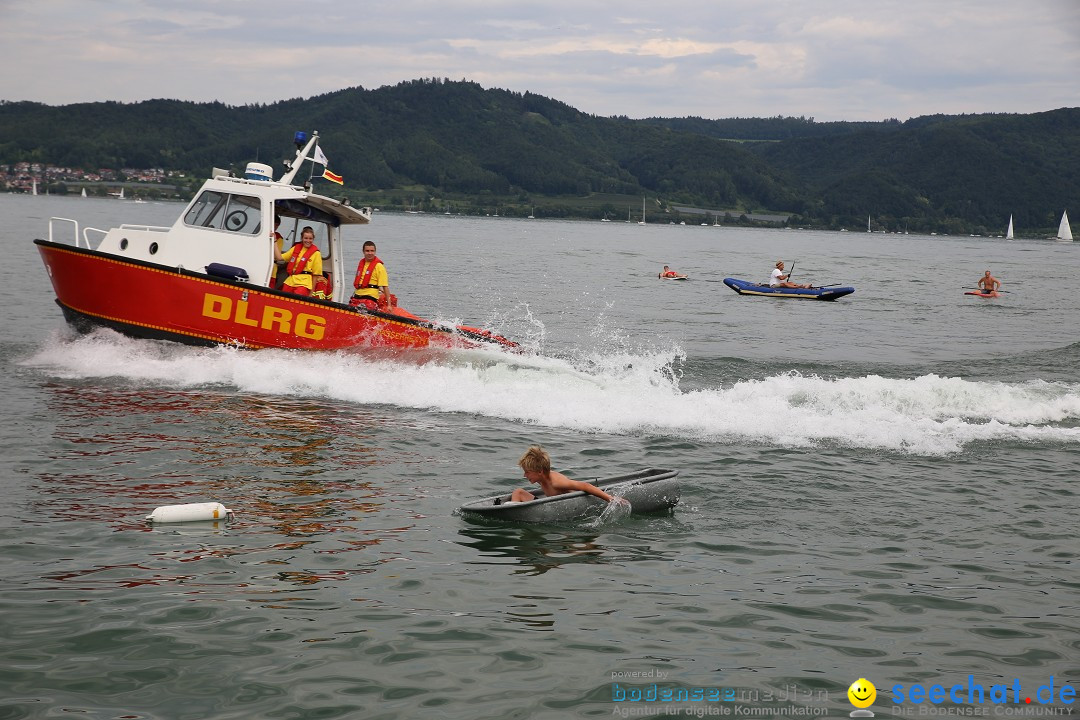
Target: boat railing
146,228
75,230
86,237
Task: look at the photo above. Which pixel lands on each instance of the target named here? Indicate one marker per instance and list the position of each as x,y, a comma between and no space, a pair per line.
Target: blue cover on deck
231,272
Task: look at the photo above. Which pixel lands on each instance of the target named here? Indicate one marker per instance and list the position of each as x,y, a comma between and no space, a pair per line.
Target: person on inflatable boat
371,283
304,262
536,465
779,279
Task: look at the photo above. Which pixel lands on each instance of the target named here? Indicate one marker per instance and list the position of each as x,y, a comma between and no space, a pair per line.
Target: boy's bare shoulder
562,483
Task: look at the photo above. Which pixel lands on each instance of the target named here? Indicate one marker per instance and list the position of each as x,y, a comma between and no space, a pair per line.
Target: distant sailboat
34,190
868,224
1009,232
642,210
1064,229
84,192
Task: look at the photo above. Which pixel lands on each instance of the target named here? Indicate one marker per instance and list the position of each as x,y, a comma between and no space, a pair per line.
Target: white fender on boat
191,512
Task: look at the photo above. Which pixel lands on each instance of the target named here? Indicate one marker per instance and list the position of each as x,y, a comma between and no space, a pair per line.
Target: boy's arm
592,490
565,484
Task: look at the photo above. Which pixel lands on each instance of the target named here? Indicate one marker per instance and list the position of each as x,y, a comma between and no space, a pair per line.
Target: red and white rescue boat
209,279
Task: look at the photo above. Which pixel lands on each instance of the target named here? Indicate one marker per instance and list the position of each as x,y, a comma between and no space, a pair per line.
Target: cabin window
291,228
225,211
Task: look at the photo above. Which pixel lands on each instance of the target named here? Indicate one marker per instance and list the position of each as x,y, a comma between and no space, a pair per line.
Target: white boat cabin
230,222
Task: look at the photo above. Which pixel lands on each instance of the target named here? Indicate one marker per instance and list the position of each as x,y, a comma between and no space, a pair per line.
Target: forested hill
443,139
976,169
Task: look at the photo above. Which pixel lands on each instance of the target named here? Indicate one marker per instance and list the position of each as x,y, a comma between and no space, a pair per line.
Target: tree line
441,143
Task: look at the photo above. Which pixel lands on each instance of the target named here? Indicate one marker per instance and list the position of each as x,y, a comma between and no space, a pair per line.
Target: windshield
225,211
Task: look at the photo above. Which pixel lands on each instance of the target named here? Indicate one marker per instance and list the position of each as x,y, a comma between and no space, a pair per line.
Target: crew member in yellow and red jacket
278,240
304,263
279,244
371,283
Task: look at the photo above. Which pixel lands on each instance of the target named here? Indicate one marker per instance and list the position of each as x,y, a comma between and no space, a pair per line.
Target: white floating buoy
191,512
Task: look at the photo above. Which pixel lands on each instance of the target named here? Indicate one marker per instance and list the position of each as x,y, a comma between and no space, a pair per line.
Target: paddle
812,286
964,287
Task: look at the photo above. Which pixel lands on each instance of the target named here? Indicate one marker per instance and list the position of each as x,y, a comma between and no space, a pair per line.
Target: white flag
320,157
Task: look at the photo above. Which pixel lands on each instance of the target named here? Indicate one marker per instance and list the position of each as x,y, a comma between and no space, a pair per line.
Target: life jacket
671,273
363,274
300,260
323,288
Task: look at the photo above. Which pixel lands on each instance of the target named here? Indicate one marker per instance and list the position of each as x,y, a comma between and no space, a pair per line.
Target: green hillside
433,143
963,172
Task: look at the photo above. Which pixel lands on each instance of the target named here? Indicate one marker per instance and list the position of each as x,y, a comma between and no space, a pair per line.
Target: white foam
618,393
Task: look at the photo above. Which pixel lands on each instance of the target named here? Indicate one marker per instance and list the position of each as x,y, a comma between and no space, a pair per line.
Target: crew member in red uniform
371,283
304,263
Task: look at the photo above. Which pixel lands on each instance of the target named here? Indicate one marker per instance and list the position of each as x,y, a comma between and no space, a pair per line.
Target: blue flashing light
300,138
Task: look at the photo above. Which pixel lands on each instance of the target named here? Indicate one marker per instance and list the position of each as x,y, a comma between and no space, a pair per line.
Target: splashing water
621,391
615,511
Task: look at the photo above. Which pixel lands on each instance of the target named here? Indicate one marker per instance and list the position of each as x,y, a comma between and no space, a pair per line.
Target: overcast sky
828,59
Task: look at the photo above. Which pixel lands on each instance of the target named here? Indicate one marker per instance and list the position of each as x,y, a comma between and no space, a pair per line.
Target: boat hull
744,287
649,490
145,300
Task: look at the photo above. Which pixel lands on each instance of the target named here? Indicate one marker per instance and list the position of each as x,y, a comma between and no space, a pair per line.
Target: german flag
332,177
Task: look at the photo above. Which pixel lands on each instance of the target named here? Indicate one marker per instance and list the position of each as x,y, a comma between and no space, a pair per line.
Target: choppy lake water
883,487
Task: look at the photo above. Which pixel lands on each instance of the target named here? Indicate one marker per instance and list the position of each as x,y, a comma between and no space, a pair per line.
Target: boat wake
623,392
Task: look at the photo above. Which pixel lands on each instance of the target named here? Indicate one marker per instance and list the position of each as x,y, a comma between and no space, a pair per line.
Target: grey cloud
834,59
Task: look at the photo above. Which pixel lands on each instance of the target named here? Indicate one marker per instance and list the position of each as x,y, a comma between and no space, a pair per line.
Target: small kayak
679,277
744,287
982,294
648,490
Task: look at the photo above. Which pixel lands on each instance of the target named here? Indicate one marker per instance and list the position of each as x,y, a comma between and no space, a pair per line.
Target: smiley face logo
862,693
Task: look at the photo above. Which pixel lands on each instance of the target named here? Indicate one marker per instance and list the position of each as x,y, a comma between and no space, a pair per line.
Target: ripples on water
843,516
